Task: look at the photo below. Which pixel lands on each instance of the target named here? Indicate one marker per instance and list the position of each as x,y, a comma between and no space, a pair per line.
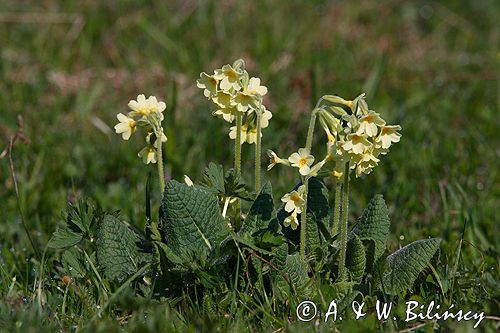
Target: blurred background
68,67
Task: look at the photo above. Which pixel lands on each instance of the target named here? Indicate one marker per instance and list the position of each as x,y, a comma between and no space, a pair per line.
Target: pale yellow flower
317,167
252,135
302,160
294,201
230,78
143,106
388,135
365,162
223,99
356,144
369,123
265,117
254,87
148,154
188,180
232,133
208,83
228,114
163,139
245,101
291,221
126,126
274,159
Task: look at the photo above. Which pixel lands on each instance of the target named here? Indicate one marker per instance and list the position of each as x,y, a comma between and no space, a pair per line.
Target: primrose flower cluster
357,137
146,113
234,93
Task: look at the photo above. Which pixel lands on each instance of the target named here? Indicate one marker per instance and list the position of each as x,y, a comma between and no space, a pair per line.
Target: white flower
294,201
302,160
388,135
368,124
356,144
230,78
126,126
254,87
274,159
208,83
292,221
148,154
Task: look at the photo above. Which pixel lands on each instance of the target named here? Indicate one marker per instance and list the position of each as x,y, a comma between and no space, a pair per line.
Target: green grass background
68,67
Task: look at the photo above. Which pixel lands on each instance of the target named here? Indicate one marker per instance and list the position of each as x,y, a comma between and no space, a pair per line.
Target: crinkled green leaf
355,259
64,237
374,224
406,264
192,222
281,253
317,214
118,253
344,294
296,269
261,212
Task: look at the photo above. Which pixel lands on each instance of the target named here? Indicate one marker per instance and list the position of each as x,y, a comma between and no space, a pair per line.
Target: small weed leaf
82,215
74,263
406,264
118,253
191,221
373,225
355,259
63,237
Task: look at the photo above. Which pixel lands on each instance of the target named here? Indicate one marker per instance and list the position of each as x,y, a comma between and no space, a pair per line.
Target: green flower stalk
338,207
237,164
258,151
344,219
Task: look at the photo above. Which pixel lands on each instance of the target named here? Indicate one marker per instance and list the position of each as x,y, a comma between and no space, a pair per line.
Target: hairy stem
345,217
303,222
257,154
338,207
237,164
310,131
159,154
